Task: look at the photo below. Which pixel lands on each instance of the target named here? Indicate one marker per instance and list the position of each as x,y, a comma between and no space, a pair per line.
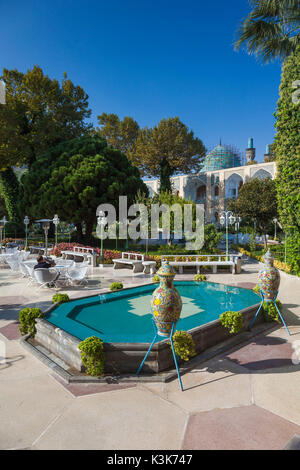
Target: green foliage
256,289
60,298
116,286
119,134
287,152
211,238
92,355
184,345
27,318
256,202
66,181
252,242
232,320
169,142
39,113
155,278
9,191
271,30
199,277
270,312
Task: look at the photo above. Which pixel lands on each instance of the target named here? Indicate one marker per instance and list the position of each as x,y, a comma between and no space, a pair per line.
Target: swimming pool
125,317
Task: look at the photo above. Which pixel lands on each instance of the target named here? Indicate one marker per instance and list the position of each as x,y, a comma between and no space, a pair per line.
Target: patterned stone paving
81,389
247,398
264,352
11,331
248,427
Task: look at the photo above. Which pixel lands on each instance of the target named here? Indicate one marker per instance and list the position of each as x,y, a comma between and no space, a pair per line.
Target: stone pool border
65,346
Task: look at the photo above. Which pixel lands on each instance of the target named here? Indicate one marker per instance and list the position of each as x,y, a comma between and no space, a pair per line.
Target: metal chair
77,274
45,276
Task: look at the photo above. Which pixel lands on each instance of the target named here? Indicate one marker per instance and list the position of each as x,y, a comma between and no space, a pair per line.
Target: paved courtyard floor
245,398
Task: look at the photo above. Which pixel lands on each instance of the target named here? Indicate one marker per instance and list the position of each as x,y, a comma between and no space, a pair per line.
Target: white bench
130,259
149,267
86,254
181,261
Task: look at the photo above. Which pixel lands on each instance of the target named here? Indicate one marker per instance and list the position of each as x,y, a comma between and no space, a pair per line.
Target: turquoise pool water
125,317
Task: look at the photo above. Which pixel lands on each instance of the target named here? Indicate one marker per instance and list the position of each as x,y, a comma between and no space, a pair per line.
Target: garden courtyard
242,394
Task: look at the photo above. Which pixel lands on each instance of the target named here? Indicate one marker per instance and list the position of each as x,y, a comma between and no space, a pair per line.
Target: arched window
217,191
201,192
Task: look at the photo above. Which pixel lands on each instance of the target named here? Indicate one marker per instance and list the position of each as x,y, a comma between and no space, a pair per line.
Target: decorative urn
166,302
269,278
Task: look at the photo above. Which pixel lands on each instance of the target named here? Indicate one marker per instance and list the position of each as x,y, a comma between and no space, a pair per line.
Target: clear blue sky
150,60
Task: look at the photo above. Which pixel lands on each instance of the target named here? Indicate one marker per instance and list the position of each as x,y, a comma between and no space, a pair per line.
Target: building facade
219,179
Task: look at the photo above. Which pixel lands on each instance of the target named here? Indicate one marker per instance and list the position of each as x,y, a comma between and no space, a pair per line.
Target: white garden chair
44,276
14,263
77,274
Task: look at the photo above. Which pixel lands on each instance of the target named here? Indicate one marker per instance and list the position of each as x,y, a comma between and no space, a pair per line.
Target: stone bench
149,267
233,261
130,259
78,254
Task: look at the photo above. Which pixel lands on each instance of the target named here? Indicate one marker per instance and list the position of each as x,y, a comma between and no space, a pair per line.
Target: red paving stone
81,389
264,352
11,331
246,285
241,428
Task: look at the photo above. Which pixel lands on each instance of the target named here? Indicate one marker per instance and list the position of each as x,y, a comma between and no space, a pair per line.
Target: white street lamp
101,222
55,220
275,222
46,226
2,225
227,218
26,222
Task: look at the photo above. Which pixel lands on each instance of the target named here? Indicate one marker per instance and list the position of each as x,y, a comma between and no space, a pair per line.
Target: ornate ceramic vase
166,302
269,278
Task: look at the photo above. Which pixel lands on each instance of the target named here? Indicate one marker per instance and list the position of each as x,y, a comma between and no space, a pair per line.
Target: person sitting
43,263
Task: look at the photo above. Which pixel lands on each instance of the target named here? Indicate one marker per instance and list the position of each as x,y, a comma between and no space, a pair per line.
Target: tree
73,178
287,153
256,202
119,134
271,30
166,149
38,114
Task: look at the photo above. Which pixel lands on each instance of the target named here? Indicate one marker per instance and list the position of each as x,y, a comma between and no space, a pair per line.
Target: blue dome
220,158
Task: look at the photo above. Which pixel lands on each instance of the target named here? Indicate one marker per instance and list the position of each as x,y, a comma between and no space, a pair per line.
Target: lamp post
101,222
126,243
55,220
2,225
46,226
26,222
227,218
275,224
237,227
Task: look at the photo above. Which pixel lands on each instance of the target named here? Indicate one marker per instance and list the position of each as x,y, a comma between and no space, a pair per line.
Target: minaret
250,151
267,154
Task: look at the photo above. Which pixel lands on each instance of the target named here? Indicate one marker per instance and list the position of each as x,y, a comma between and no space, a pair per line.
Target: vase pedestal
156,334
263,299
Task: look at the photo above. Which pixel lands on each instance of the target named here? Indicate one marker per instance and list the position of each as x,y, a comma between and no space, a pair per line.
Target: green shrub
60,298
270,312
92,355
256,289
155,278
27,318
199,277
232,320
116,286
184,345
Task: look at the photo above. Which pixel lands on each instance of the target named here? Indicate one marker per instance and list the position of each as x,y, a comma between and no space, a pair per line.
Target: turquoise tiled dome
219,158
